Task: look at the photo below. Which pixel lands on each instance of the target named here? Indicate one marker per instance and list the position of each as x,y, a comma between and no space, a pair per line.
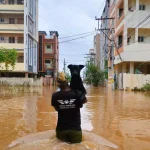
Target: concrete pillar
126,7
124,68
117,74
137,4
131,67
145,68
136,34
26,75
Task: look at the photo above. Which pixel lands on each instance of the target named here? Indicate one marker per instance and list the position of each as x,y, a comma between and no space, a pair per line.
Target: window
20,2
140,39
35,55
48,49
141,7
26,20
120,12
1,38
26,39
120,41
31,7
20,59
48,46
11,2
20,39
1,19
30,53
30,26
48,63
11,40
11,20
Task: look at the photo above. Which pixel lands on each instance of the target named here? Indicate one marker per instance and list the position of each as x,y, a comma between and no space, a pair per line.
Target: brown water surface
121,117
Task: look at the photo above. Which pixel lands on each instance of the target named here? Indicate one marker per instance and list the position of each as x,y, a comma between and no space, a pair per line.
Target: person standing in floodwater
68,103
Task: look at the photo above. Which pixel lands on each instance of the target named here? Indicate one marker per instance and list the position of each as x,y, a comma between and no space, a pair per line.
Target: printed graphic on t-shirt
66,104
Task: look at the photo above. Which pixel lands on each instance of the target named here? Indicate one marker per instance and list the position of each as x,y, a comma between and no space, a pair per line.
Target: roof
43,32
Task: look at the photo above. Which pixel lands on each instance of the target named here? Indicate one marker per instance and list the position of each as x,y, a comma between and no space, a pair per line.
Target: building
132,42
104,42
19,30
48,53
96,46
91,57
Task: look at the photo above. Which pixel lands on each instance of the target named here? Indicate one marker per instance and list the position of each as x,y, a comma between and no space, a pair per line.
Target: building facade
132,38
48,53
104,42
19,30
96,47
91,57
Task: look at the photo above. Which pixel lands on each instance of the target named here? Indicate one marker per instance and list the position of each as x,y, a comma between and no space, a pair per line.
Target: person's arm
53,102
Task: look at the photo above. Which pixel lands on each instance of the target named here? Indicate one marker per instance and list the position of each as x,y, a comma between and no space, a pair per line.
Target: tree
94,75
8,57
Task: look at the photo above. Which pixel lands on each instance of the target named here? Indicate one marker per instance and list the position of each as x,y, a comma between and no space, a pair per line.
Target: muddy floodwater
123,118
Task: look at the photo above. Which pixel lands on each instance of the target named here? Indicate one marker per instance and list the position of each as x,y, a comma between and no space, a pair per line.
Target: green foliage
8,57
146,87
106,69
94,75
68,77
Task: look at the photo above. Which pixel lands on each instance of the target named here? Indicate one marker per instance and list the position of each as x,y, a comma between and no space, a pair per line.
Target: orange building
48,53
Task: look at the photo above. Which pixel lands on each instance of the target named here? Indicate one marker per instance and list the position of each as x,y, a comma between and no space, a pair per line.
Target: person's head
62,81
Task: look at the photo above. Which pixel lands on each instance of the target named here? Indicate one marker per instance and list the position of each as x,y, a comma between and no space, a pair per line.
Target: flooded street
123,118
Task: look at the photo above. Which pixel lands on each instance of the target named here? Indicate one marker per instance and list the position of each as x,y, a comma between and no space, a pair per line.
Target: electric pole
112,41
64,65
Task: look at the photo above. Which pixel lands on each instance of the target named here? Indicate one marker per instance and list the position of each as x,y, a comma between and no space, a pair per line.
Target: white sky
70,17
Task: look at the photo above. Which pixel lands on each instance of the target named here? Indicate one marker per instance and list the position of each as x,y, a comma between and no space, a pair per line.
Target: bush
94,75
146,87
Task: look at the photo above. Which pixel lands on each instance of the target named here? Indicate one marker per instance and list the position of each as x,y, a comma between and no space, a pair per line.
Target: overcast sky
70,17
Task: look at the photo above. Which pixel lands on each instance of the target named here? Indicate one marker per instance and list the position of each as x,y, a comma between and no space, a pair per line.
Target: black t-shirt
68,104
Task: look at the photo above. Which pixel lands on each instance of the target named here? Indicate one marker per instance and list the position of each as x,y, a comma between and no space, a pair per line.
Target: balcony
130,36
18,67
17,46
137,52
9,9
11,2
131,5
11,28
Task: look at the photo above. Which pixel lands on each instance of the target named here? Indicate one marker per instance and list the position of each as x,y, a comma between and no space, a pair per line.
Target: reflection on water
121,117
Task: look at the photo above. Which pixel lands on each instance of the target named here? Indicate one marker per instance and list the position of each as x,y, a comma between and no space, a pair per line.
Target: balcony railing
13,22
12,2
12,40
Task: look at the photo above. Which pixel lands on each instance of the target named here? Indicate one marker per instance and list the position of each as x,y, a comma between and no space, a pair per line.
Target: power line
55,25
100,8
76,38
77,35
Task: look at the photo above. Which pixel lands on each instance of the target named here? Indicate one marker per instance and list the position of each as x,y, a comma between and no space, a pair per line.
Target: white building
19,30
96,46
132,38
104,42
